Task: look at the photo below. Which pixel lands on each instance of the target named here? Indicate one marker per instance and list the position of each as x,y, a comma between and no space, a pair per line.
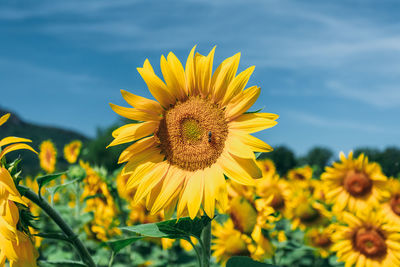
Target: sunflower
72,150
355,184
276,187
229,242
197,132
100,202
321,239
300,174
15,245
367,239
391,207
304,211
267,167
47,156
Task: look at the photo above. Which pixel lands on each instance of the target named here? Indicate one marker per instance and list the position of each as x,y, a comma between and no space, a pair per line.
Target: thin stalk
77,200
110,263
206,238
55,216
196,250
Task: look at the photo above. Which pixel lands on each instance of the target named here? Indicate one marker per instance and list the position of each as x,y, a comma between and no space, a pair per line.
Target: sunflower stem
55,216
196,250
206,240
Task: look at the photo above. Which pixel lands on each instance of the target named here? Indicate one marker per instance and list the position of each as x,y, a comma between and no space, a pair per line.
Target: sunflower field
193,188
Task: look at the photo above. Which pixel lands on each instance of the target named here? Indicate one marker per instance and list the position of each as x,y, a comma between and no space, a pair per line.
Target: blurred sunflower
47,156
321,239
196,132
279,189
391,207
368,239
267,167
304,211
355,184
20,252
72,150
228,242
300,174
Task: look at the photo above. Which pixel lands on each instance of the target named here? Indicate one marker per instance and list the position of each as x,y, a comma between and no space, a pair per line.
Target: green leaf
43,180
256,111
240,261
117,245
64,263
55,188
182,228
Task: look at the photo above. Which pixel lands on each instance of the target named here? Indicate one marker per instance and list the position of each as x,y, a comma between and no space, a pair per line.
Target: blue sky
330,69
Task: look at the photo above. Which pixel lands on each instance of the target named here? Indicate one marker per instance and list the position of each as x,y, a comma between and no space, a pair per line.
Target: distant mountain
15,126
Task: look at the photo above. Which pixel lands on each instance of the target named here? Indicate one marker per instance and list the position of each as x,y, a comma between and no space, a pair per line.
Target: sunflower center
321,240
370,242
395,204
357,184
299,176
307,213
192,134
278,202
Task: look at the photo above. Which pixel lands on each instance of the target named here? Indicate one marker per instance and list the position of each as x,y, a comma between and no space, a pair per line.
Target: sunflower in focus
391,207
195,133
47,156
367,239
355,184
72,150
15,244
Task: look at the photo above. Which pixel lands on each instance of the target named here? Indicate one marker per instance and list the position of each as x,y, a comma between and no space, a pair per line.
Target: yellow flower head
12,143
300,174
194,133
267,167
320,238
72,150
47,156
304,211
367,239
228,242
355,184
276,187
99,201
391,206
19,253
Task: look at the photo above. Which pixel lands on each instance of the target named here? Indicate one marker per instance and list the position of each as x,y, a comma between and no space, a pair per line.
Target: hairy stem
55,216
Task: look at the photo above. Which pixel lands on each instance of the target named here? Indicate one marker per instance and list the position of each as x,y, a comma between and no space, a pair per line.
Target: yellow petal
149,181
211,189
173,182
242,102
204,72
238,169
8,182
190,72
4,118
135,114
177,69
142,103
152,154
194,192
237,85
133,132
136,148
236,147
139,172
11,139
173,83
225,75
14,147
156,87
254,143
253,122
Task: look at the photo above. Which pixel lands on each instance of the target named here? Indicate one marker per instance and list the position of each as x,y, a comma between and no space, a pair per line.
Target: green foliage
43,180
241,261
